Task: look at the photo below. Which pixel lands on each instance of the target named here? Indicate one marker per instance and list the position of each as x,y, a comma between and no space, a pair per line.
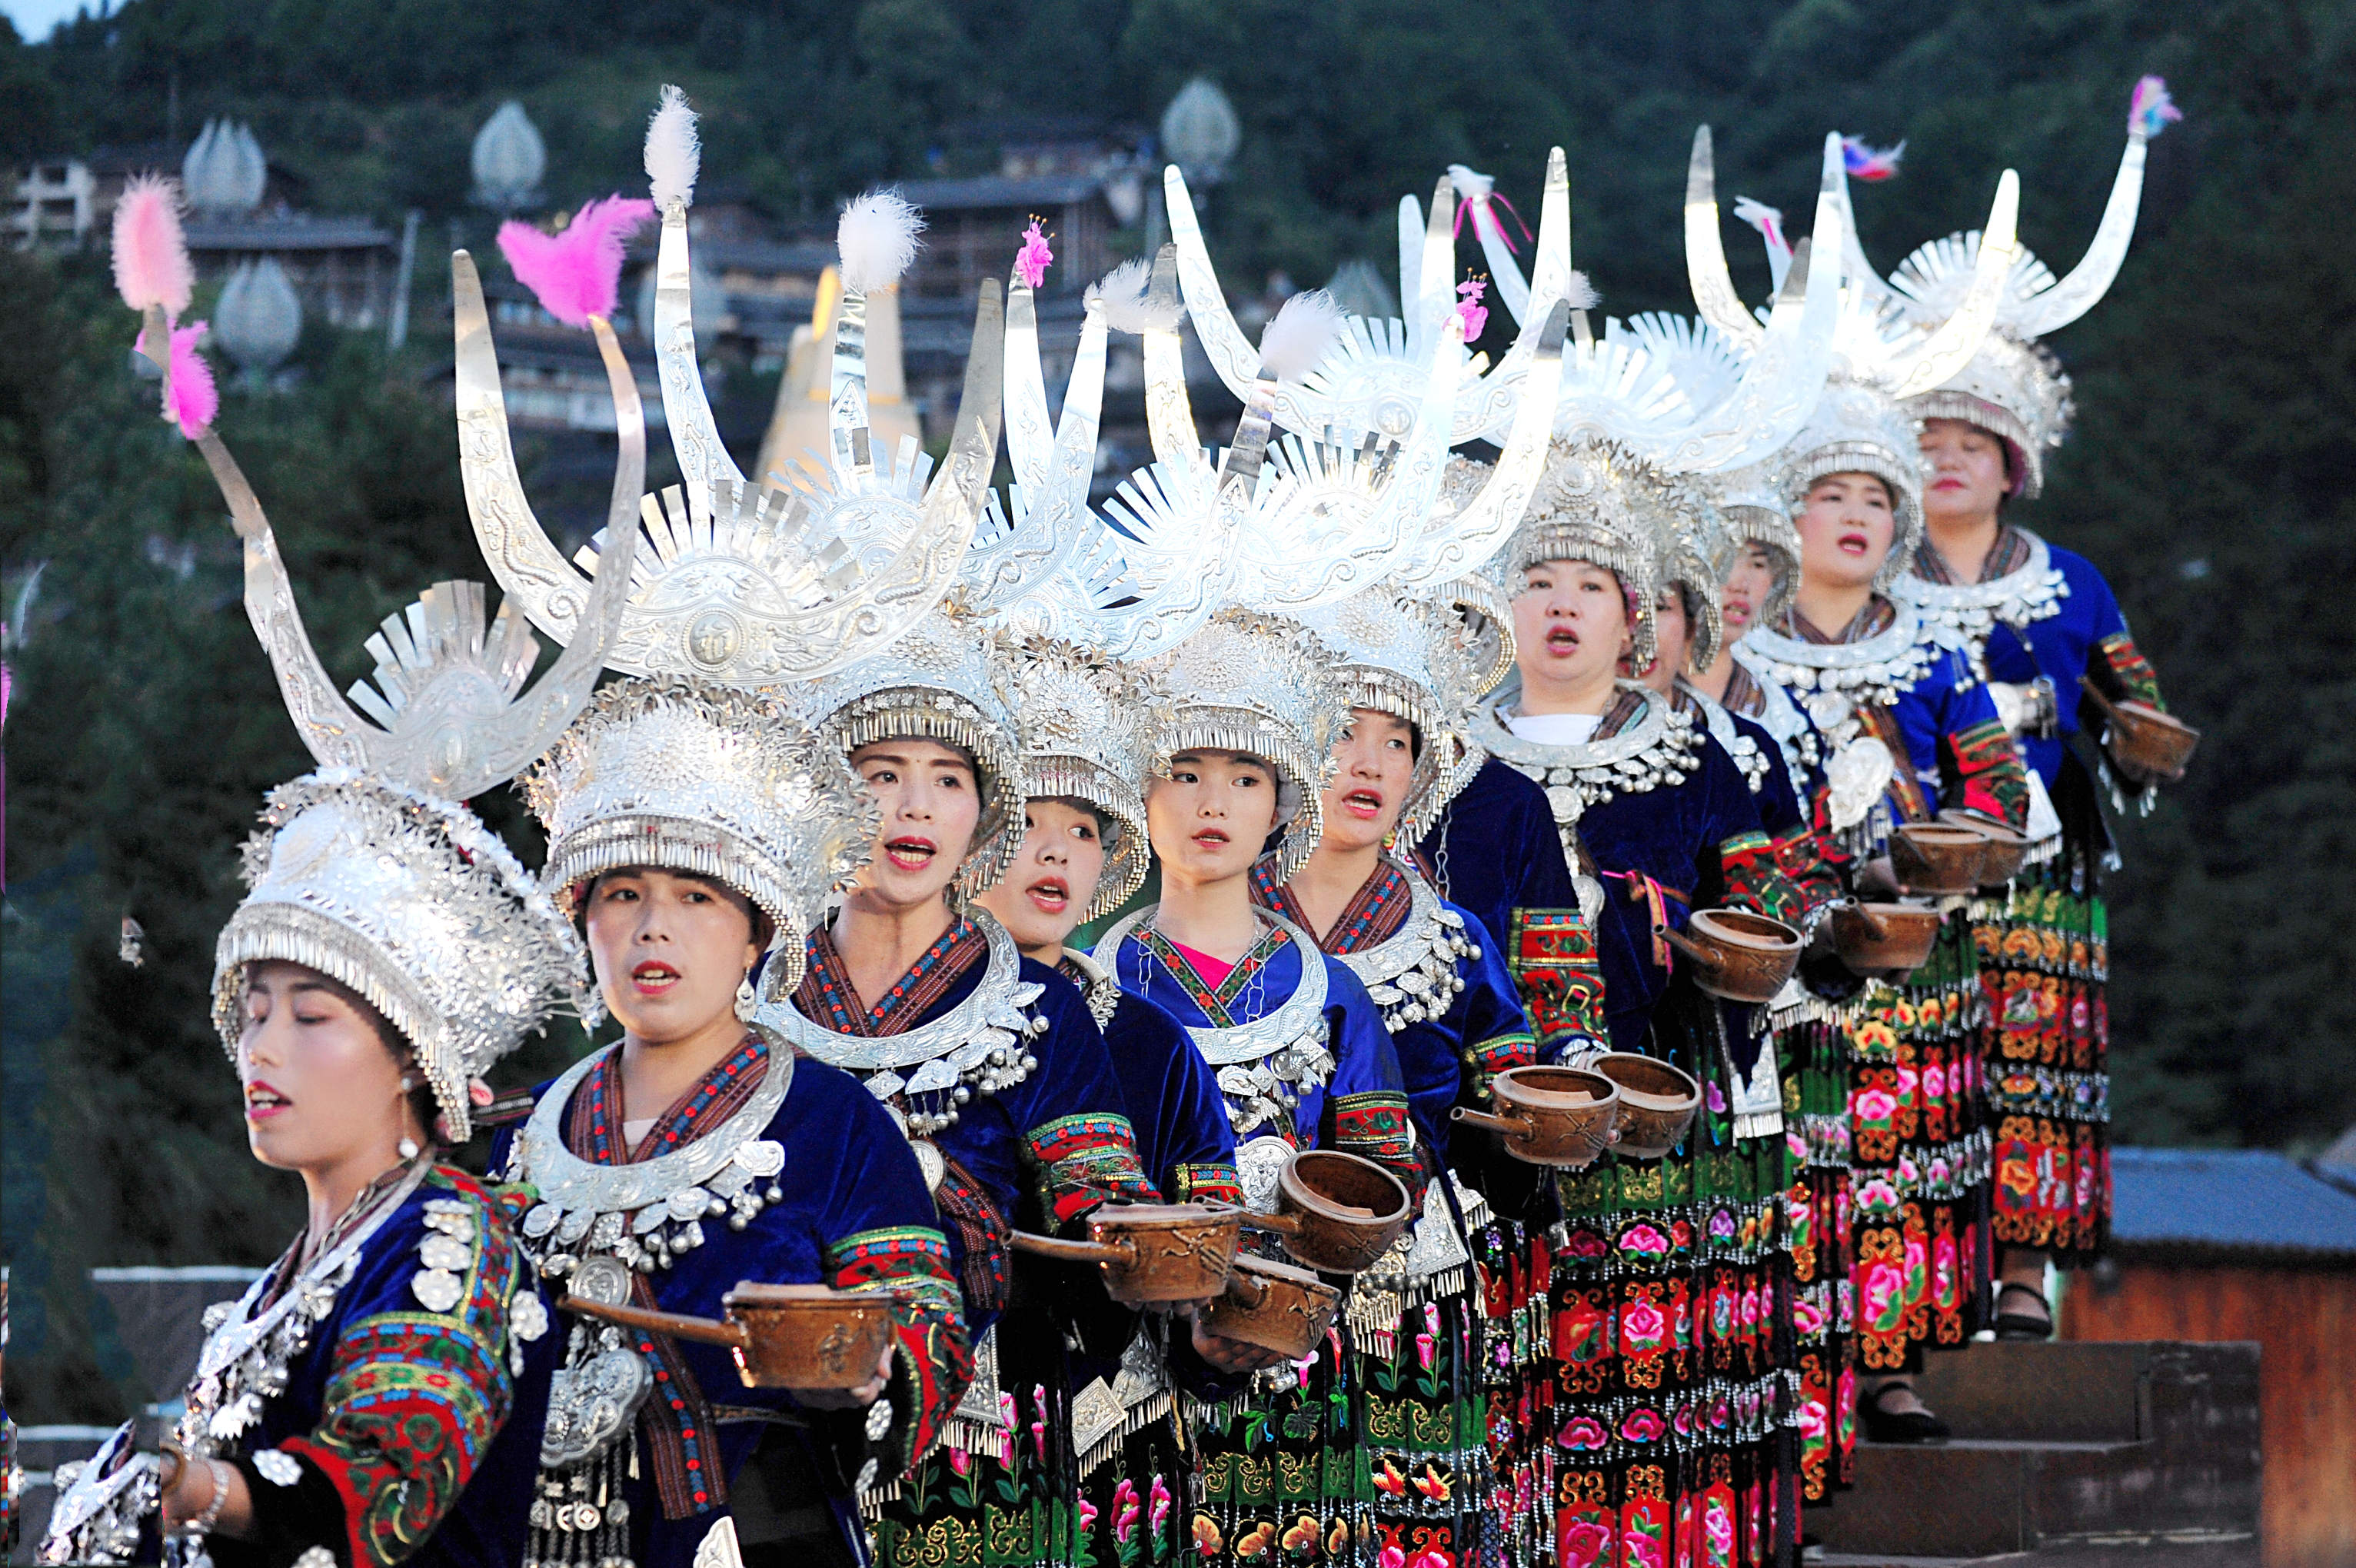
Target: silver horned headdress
1086,724
1263,685
750,584
695,776
369,872
939,682
2015,390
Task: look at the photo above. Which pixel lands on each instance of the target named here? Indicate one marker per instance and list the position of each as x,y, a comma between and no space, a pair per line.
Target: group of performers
1435,760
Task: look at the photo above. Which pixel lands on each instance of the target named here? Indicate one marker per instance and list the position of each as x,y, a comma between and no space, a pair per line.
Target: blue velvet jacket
415,1421
852,1212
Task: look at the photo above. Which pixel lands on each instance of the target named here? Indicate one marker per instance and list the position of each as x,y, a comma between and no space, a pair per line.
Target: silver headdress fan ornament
1086,722
1401,653
750,584
369,871
1263,685
939,682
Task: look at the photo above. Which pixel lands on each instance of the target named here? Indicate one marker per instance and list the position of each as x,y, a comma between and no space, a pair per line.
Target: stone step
2105,1449
2062,1391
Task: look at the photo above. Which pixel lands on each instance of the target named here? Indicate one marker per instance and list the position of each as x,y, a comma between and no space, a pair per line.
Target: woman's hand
204,1490
865,1394
1232,1355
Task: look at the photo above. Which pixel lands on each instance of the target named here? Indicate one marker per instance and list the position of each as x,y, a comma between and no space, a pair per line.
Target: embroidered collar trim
2029,592
1413,975
1659,748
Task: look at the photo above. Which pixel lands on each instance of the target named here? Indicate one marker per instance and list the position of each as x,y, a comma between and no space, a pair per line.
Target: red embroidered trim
1551,954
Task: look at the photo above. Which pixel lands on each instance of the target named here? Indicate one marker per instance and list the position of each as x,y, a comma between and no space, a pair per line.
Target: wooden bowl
2140,738
783,1337
1153,1253
1938,857
1557,1116
1336,1212
1275,1306
1657,1102
1874,939
1738,955
2007,846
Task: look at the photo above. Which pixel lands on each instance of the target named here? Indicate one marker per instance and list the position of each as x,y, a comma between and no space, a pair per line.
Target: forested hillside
2209,476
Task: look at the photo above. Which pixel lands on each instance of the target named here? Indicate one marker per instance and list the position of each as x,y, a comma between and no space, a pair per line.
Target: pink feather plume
575,272
1031,261
150,254
1469,308
2152,109
1869,164
191,399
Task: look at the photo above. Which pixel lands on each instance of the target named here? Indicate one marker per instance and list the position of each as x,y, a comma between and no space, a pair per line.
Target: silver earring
407,1148
746,1003
407,1084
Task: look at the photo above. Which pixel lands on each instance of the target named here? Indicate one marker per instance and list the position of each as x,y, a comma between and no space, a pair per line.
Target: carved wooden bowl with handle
1275,1306
1336,1212
1557,1116
1657,1102
783,1337
1153,1255
2142,739
1938,857
1736,954
1878,938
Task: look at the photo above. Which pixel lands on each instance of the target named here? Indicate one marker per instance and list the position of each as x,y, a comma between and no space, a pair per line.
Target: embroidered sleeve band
1499,1053
1551,953
935,1356
415,1397
1374,1126
2130,669
1082,1161
1212,1181
1755,880
1992,778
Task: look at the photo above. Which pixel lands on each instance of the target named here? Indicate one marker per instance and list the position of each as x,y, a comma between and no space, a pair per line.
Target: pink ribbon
1642,889
1480,205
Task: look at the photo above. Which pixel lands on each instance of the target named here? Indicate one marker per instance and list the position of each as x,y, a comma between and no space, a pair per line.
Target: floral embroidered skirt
1515,1265
990,1493
1813,1053
2044,958
1280,1477
1130,1512
1423,1415
1674,1363
1919,1158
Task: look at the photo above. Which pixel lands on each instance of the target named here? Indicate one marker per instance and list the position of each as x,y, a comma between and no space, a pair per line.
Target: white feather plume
1129,304
1579,293
878,240
674,155
1296,337
1470,186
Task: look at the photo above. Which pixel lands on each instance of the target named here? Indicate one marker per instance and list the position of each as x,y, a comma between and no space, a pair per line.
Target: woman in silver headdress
1907,729
1452,1473
1659,821
1248,709
989,1060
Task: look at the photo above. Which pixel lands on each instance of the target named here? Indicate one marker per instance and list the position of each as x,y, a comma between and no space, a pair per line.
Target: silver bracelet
203,1523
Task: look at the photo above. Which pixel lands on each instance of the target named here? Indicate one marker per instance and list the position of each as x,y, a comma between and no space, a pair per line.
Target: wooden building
2248,1245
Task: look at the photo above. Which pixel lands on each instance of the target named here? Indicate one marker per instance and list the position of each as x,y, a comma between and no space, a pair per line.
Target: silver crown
1597,502
1399,652
1084,724
415,905
2014,390
1751,505
696,777
939,682
1262,685
1858,428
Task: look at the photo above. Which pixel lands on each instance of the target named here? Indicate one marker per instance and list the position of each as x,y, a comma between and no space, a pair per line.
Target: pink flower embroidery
1583,1544
1157,1512
1125,1510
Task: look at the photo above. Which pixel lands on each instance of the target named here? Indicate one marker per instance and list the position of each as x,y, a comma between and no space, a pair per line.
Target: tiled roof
2251,1201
